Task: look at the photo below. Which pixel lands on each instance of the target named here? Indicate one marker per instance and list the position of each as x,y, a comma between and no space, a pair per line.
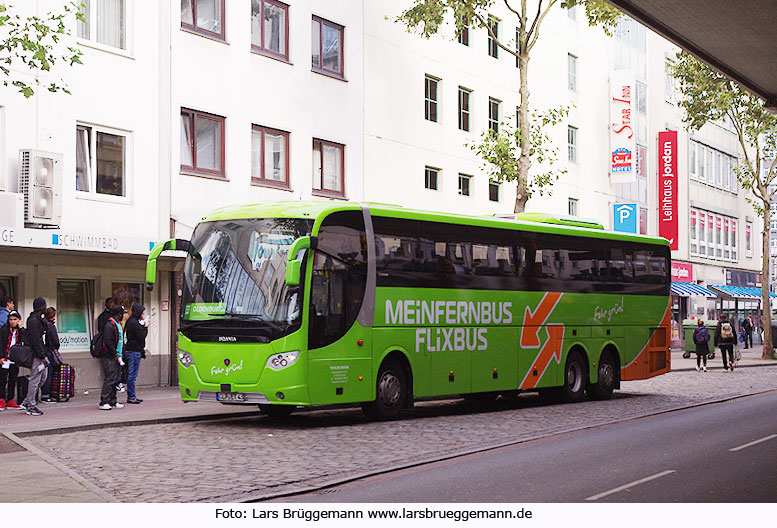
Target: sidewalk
31,475
751,357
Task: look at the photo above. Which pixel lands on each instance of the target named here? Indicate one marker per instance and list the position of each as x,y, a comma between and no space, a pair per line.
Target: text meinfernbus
311,303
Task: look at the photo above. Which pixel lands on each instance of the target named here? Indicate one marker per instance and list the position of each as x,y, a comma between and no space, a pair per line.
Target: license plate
231,396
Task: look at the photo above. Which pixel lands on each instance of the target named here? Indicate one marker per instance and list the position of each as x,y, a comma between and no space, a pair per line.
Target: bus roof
314,209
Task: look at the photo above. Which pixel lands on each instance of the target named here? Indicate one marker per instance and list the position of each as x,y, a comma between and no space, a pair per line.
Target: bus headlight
185,358
281,361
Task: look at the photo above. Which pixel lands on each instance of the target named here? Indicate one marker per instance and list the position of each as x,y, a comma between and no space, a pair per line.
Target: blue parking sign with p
624,217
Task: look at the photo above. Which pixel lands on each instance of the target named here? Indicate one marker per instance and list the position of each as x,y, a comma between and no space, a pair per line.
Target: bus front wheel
390,393
276,411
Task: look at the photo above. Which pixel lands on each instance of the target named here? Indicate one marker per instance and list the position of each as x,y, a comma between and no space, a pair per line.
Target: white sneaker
698,368
105,407
705,369
119,405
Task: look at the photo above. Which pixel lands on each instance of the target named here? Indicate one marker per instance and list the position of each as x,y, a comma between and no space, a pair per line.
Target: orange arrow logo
529,336
552,349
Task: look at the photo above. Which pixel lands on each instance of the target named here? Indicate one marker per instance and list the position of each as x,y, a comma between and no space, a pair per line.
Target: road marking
754,442
631,484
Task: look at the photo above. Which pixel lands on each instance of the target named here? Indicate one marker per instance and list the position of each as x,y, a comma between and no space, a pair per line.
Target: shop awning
686,289
738,292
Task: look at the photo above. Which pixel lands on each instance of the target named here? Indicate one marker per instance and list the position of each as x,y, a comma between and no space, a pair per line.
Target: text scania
459,313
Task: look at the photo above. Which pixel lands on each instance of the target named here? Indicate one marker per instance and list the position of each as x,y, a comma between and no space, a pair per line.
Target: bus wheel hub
389,389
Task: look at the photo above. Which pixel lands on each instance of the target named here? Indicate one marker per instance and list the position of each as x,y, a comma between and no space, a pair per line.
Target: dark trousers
8,382
110,375
748,339
727,349
699,358
45,389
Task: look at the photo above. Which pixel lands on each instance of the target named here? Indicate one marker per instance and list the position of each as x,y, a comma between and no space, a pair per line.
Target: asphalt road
714,453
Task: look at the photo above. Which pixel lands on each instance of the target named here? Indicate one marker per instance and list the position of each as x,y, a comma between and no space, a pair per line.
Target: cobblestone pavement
244,458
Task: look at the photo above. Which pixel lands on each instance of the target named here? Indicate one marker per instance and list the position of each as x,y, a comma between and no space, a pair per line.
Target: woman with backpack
725,339
701,338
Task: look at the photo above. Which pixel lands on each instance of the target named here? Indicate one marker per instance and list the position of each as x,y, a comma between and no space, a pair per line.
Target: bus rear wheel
276,411
575,378
390,393
607,377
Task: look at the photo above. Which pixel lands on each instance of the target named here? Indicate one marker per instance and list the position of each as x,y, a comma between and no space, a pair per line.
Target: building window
430,98
726,242
493,191
101,160
694,244
202,143
573,206
73,315
327,53
493,114
572,12
203,16
126,294
270,28
643,221
464,95
668,82
463,36
431,178
572,144
748,239
328,168
104,22
493,49
571,72
692,160
269,157
734,240
464,184
702,234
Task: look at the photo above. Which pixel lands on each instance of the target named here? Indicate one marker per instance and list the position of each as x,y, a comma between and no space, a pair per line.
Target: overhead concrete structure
736,38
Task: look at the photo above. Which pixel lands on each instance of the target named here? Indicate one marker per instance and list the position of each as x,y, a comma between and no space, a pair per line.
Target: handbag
21,355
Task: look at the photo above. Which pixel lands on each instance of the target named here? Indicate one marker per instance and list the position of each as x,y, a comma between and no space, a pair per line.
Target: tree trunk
524,162
765,283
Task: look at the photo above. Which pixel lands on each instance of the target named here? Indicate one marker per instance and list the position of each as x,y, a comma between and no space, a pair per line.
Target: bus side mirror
168,245
293,264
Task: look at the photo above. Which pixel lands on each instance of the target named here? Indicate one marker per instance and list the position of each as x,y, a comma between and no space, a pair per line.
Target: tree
32,45
709,96
428,16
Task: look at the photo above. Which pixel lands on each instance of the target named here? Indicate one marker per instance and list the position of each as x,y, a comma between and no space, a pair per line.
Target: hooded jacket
136,332
52,336
5,338
36,329
113,334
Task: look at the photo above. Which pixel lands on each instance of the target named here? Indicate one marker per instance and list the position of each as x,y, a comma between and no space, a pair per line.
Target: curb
127,423
721,367
264,496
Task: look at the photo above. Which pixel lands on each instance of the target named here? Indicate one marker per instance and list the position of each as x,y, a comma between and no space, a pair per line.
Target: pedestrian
6,305
52,352
701,338
11,333
106,314
36,330
136,331
748,327
725,340
112,343
121,386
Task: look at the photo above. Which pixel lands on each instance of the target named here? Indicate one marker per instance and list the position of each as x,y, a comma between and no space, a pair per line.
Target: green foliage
598,12
500,151
32,45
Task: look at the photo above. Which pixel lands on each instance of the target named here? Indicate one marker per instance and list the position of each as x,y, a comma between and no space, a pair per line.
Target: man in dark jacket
52,350
136,330
36,329
106,314
11,333
112,342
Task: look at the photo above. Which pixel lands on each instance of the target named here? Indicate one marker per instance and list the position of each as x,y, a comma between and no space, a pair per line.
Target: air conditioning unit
40,181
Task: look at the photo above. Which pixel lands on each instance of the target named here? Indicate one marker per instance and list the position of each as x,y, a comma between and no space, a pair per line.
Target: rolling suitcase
22,384
63,379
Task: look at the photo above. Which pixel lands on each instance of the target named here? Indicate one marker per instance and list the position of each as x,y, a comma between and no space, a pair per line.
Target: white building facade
183,107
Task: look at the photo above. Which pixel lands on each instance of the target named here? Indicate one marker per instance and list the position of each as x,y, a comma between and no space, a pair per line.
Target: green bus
318,303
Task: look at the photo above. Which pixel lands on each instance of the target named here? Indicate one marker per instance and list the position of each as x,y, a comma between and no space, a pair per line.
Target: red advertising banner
667,187
682,272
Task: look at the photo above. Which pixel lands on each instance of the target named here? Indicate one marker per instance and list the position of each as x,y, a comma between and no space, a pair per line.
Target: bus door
340,366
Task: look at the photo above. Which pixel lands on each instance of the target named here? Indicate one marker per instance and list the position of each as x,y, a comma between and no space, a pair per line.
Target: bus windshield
236,271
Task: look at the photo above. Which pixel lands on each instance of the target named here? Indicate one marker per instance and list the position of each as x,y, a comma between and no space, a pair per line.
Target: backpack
725,331
702,335
96,347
